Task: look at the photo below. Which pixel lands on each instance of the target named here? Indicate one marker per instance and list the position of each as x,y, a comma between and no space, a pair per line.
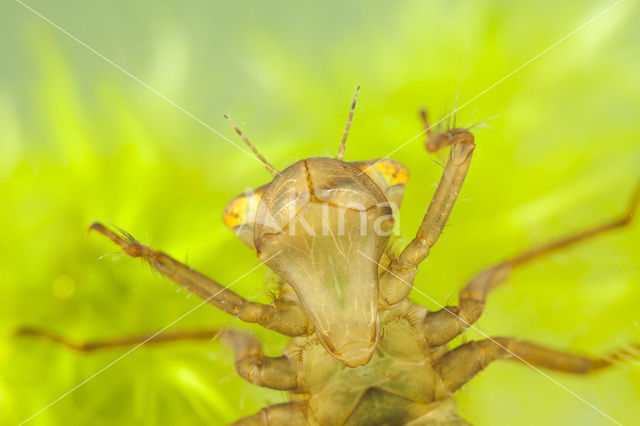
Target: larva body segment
399,384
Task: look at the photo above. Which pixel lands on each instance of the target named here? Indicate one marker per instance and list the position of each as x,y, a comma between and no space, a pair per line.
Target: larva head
322,225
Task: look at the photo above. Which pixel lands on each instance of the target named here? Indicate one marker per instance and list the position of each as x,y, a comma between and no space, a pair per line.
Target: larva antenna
263,160
343,142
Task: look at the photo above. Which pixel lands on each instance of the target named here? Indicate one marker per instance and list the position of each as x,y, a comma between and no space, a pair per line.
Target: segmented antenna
343,142
263,160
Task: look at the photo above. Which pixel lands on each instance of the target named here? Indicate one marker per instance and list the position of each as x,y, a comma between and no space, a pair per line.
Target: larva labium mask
322,225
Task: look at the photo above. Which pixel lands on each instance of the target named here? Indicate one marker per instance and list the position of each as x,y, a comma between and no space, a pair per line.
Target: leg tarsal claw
129,244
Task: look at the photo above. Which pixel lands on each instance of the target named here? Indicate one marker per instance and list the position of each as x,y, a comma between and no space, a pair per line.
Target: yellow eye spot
393,172
242,209
235,212
384,172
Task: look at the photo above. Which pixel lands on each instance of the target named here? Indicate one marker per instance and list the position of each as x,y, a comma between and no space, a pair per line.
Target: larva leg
283,317
275,373
461,364
119,342
291,413
442,326
395,284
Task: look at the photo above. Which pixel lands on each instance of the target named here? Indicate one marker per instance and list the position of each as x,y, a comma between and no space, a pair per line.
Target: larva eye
240,214
390,176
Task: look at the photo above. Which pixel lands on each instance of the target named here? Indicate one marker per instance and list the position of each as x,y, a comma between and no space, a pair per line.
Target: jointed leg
461,364
395,284
285,317
442,326
126,341
275,373
291,413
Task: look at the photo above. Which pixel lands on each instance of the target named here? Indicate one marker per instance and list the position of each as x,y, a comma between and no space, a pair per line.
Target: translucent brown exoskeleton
360,352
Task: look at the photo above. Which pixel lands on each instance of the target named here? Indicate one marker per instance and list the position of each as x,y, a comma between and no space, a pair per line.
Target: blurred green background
82,141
